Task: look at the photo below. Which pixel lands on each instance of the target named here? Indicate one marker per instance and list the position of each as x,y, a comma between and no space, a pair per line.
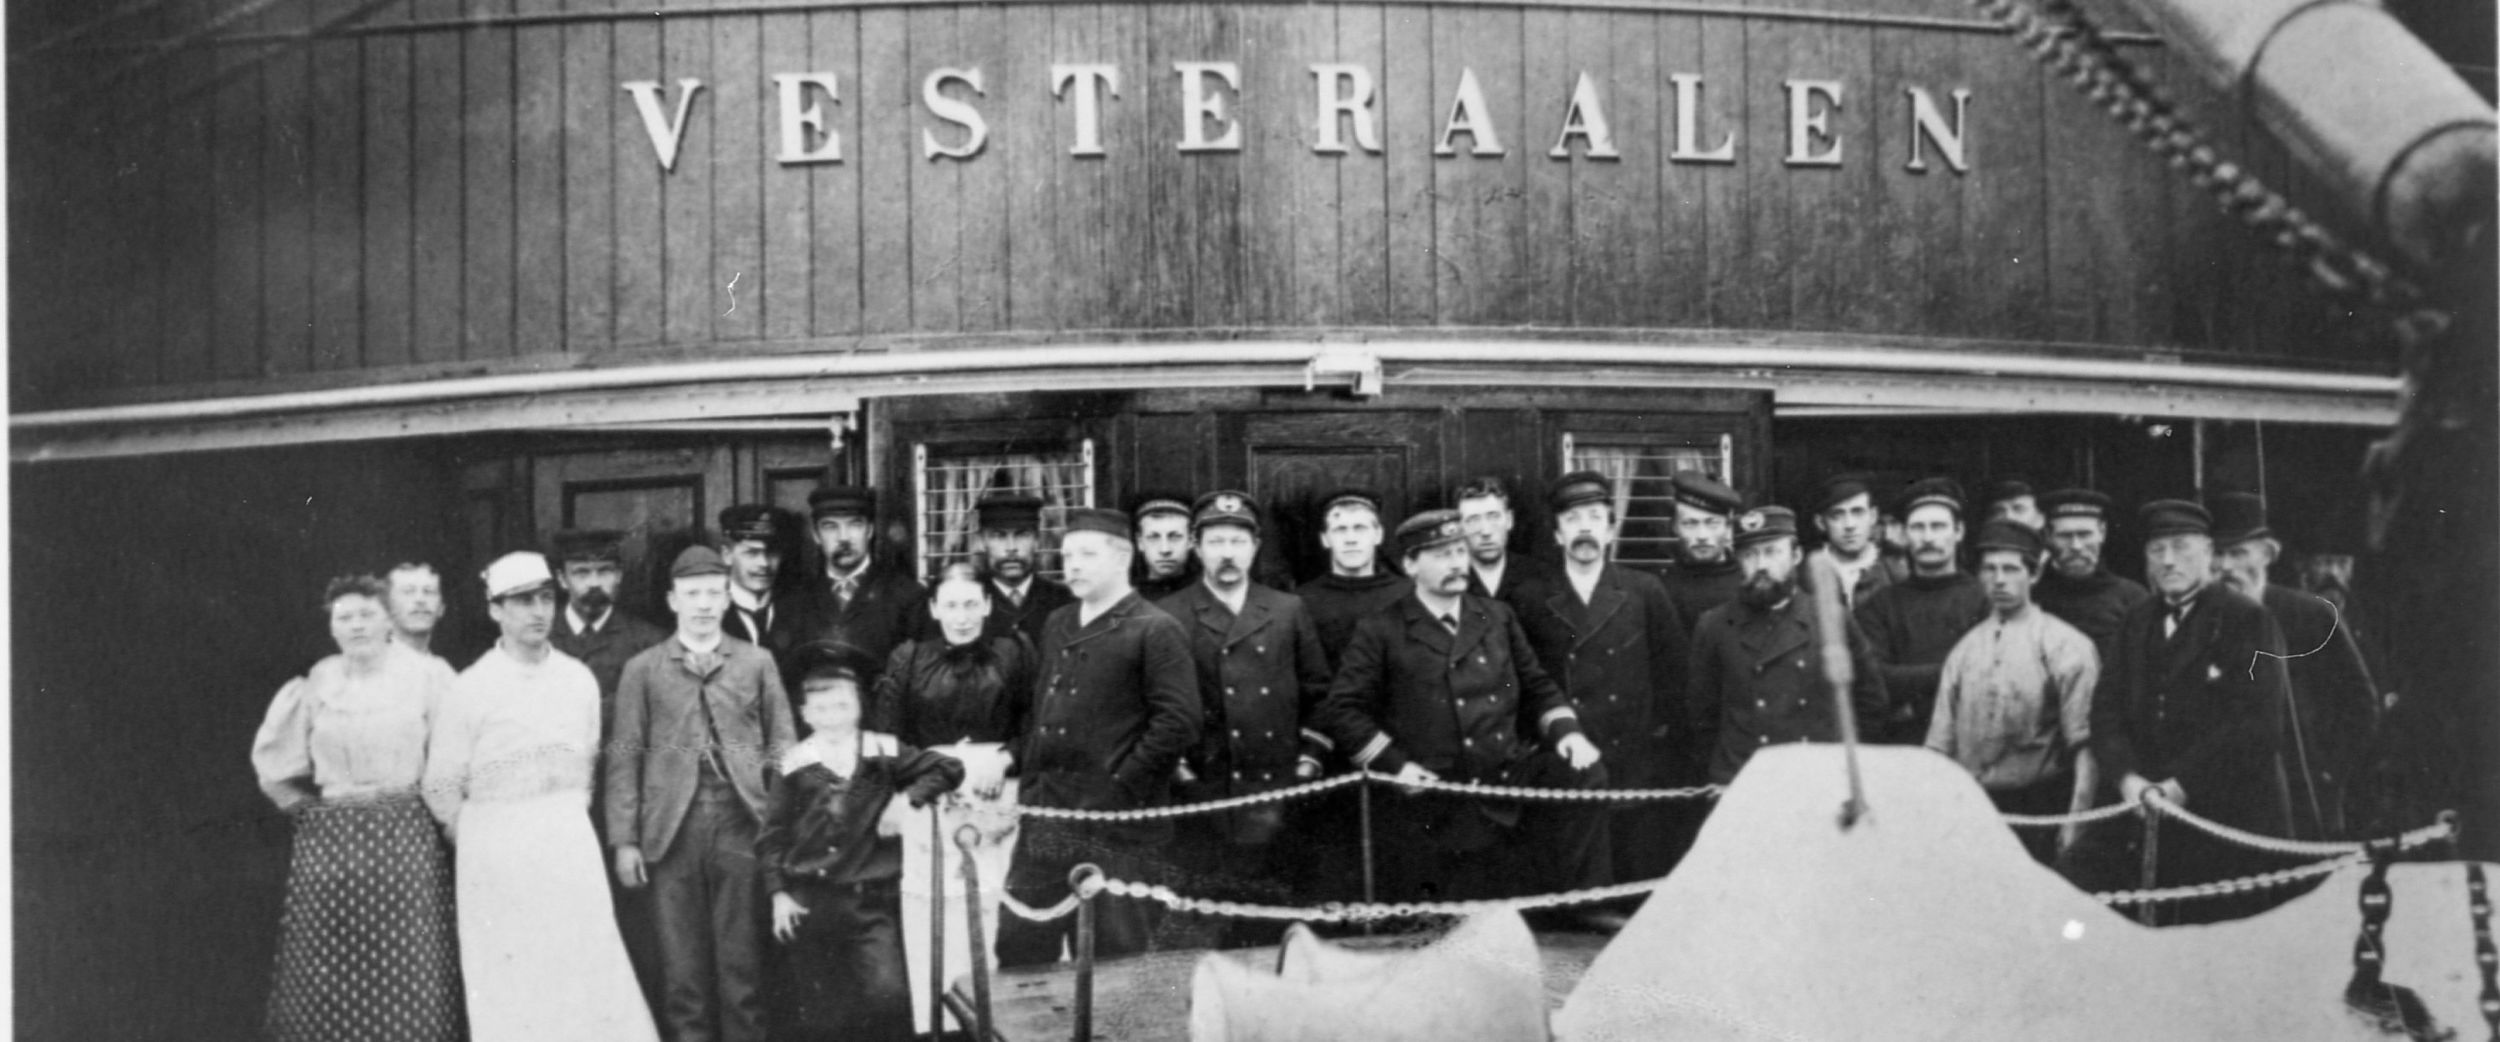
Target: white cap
519,572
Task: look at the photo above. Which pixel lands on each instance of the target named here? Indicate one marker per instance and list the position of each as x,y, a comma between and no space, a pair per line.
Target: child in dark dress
833,860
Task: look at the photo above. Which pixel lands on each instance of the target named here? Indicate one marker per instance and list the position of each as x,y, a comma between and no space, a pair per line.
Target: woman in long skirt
367,948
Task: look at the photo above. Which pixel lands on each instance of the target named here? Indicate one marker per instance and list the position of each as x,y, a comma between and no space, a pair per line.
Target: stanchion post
2151,862
1084,950
976,931
1369,896
937,923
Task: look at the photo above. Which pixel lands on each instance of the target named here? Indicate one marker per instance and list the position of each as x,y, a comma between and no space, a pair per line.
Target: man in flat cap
1846,512
868,604
2334,714
1164,565
2013,500
1114,709
2077,587
2192,704
698,719
1704,574
2014,704
1758,661
1356,584
1021,597
1443,685
1913,623
1261,676
1614,640
1492,570
755,541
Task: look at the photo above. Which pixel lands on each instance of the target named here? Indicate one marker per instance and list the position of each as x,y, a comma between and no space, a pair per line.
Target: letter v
665,132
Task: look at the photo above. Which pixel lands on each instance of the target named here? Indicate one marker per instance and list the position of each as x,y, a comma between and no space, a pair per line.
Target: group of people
753,860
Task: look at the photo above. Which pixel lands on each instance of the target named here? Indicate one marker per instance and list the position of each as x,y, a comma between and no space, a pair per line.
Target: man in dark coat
1846,512
1443,685
2076,587
1114,709
1021,597
1261,676
1612,637
1704,574
2192,705
1164,566
863,603
1357,583
1913,623
1758,661
1492,570
755,540
2334,713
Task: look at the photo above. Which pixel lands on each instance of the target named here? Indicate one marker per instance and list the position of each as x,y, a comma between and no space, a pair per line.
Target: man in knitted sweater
1913,624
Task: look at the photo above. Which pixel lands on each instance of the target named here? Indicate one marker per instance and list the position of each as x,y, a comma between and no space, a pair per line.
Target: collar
1491,577
717,640
752,602
2028,611
1866,558
857,575
582,626
1457,605
1586,588
2184,605
1020,590
1239,600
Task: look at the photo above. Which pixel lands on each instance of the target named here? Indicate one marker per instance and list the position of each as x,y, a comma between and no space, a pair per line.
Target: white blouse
334,735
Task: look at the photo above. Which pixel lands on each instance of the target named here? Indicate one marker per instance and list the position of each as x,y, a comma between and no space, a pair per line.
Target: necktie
2172,619
843,588
1015,599
1450,621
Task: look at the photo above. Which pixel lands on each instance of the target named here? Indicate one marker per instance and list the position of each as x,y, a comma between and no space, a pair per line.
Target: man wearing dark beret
1021,597
2012,499
1114,709
2077,587
1443,685
1704,574
1357,582
2192,704
862,601
1846,511
1164,566
1912,624
1758,660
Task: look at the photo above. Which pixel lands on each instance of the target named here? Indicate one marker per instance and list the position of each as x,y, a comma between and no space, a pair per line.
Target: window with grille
948,482
1640,468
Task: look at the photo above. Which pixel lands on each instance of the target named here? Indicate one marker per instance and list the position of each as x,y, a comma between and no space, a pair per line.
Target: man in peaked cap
861,601
2192,704
1758,662
1021,597
1443,685
1357,583
2334,714
2076,586
1161,534
1847,512
1114,709
2014,704
2012,499
1705,574
755,541
590,565
1912,624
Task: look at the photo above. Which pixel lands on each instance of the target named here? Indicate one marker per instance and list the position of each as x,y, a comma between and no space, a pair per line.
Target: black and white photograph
1252,520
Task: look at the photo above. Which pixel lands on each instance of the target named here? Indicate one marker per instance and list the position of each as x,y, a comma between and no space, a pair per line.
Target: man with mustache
1356,584
755,541
1443,685
1912,624
1021,598
590,566
2334,712
1164,566
1704,574
1846,513
1757,673
415,603
862,603
2192,704
1261,673
1613,638
2076,586
1492,570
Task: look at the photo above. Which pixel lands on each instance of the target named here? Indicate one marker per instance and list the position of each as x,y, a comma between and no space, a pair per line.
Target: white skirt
539,949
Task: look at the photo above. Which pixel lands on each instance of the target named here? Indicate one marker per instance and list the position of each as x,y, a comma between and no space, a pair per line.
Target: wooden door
1291,460
662,498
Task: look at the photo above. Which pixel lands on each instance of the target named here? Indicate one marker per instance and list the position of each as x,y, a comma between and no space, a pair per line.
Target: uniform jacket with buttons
658,736
2204,707
1041,597
1261,677
1459,704
1622,657
821,826
1114,708
1758,679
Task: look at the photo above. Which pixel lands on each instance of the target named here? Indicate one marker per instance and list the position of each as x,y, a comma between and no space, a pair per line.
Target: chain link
1362,912
1521,792
1065,908
2487,957
1188,809
2225,887
2081,817
2444,828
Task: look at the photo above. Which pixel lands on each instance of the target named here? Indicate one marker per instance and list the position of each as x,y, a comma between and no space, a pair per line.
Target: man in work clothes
1356,585
1021,598
1492,570
1758,660
1164,566
1846,512
1704,574
862,603
2076,587
1115,707
1913,623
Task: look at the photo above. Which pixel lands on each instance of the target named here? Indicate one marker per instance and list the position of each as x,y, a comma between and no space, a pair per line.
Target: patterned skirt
367,949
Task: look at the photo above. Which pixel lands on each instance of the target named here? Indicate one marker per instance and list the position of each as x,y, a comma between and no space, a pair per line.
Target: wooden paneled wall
413,188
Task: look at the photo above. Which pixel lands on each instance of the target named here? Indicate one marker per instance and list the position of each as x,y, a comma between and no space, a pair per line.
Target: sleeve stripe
1371,750
1320,739
1558,713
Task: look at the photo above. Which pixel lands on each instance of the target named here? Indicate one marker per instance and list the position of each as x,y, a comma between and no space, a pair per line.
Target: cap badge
1449,530
1229,504
1751,522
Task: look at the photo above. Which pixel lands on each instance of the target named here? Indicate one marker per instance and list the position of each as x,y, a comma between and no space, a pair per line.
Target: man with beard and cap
1021,598
2076,587
2192,704
1443,686
1164,566
2334,713
1114,709
2012,499
1614,640
1356,585
755,540
864,603
2014,706
1758,661
1492,570
1846,513
1704,574
1913,623
414,600
1261,676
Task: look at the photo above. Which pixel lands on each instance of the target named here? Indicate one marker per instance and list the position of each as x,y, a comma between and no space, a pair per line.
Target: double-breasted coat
1460,704
1261,677
668,717
1115,706
2204,707
1041,597
887,609
1757,679
1621,658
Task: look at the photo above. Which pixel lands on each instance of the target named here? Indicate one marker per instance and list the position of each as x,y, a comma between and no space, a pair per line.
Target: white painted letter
1688,126
1467,116
1586,118
958,112
1197,106
1088,109
665,132
1928,124
1805,124
1335,102
799,118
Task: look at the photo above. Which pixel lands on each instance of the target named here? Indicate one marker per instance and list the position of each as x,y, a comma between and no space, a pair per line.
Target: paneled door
1291,460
